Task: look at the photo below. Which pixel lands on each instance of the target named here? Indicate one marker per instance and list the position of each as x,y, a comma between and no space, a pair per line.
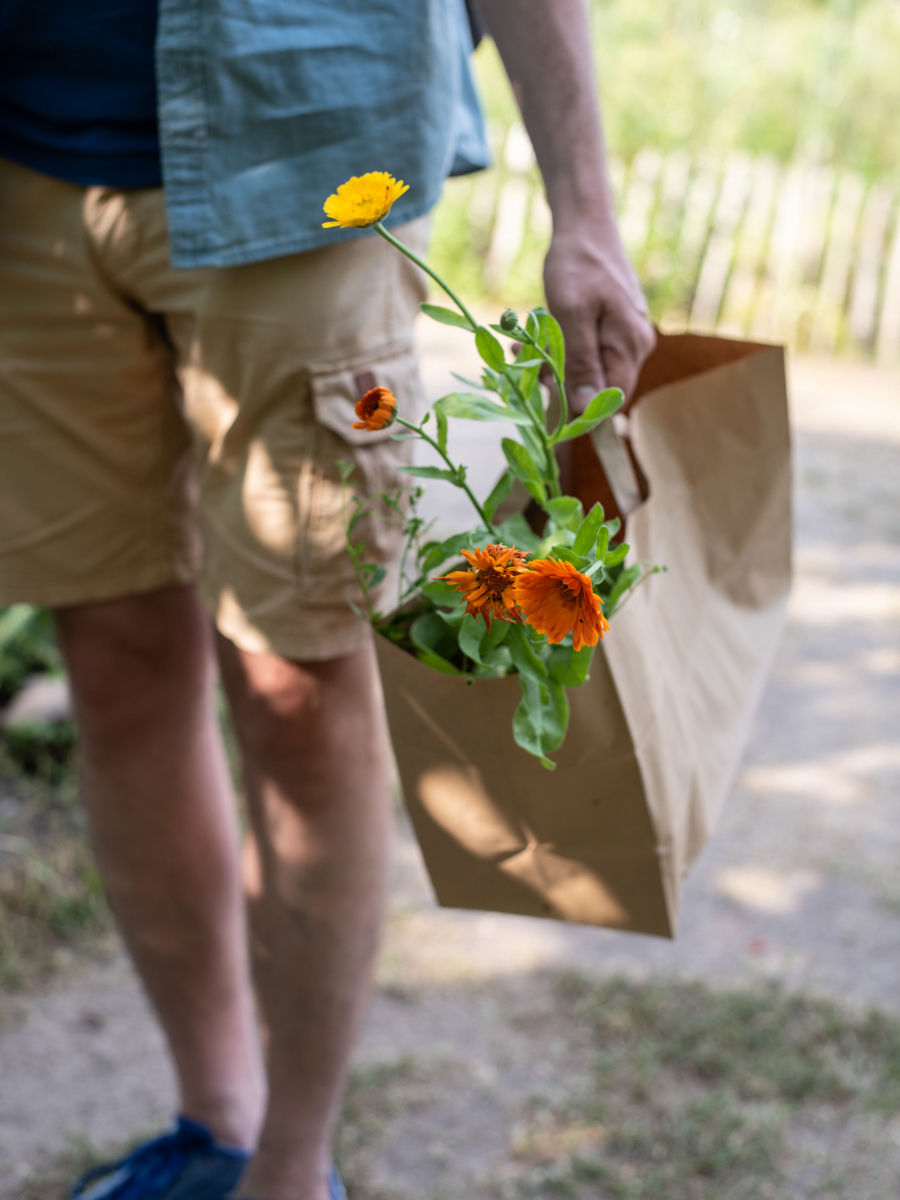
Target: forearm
546,49
590,285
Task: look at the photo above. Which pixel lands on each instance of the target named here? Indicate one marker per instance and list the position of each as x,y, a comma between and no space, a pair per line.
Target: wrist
583,202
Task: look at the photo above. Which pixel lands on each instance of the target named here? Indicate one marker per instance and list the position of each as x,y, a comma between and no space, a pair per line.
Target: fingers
626,340
585,373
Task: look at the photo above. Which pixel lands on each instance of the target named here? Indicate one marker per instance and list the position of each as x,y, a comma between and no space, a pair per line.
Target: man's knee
125,656
282,708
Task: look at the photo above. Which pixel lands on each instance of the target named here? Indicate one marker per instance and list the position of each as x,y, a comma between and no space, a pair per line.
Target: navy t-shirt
78,89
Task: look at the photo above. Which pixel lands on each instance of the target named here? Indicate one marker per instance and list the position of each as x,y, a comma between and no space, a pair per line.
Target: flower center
495,582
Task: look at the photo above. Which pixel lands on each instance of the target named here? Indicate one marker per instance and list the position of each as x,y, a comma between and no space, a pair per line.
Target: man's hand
591,287
594,293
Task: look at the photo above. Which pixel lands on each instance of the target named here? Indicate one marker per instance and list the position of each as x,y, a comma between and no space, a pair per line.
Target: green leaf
569,667
452,617
441,417
602,543
615,556
578,561
436,662
373,573
495,637
480,408
623,584
499,659
431,473
527,660
435,553
555,717
540,721
468,382
614,526
566,511
489,348
471,633
439,592
553,340
527,372
501,490
435,641
524,467
603,405
446,316
527,722
588,530
515,531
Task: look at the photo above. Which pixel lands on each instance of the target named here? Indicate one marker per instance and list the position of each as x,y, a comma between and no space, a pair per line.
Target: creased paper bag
658,730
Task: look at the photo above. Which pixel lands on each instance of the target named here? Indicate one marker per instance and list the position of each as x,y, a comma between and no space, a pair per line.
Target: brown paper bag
658,730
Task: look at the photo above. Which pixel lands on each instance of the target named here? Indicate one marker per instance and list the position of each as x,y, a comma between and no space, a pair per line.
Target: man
165,280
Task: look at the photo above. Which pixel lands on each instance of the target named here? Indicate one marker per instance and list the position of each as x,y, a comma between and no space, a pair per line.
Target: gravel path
800,882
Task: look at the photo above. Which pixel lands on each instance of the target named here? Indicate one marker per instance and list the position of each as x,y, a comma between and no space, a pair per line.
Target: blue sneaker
186,1164
336,1188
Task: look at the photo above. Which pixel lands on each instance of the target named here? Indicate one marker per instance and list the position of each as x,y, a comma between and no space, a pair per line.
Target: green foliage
27,647
777,77
815,78
42,749
602,406
445,316
540,721
484,632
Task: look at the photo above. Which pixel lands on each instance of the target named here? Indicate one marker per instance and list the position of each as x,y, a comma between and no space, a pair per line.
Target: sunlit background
756,164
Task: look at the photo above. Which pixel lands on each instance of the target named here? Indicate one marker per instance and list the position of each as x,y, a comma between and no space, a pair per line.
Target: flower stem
462,483
558,379
428,271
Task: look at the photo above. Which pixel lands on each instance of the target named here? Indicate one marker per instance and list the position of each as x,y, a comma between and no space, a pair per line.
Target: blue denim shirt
265,106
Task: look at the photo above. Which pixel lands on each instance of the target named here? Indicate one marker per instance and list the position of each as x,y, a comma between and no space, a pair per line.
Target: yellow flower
556,599
488,588
363,200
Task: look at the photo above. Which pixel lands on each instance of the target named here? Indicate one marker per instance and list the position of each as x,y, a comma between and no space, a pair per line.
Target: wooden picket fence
745,246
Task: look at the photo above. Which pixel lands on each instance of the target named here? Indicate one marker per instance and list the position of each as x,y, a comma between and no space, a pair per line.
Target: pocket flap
336,388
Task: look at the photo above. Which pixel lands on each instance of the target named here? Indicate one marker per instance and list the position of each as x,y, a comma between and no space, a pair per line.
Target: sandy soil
799,883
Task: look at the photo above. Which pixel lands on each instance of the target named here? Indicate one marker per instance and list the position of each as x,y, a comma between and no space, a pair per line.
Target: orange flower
555,599
488,588
376,410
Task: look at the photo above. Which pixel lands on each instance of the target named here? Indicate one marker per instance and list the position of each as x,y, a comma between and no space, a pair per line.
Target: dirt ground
473,1059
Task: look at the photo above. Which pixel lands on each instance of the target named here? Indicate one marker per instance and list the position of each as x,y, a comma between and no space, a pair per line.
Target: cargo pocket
336,390
376,459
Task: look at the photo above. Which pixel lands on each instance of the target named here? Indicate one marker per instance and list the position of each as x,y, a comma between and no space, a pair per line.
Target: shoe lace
148,1170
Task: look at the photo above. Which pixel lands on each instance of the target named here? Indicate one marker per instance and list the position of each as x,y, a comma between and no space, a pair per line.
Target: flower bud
509,321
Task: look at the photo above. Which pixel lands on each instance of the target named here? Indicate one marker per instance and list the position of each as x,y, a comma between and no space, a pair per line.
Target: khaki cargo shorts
161,427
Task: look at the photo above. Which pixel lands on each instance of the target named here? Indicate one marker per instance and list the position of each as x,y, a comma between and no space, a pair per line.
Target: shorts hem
297,643
95,591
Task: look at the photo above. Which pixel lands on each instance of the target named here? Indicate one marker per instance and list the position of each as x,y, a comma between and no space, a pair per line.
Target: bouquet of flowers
499,597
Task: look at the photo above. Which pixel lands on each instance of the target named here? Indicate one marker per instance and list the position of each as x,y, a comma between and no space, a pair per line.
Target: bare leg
161,812
314,742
